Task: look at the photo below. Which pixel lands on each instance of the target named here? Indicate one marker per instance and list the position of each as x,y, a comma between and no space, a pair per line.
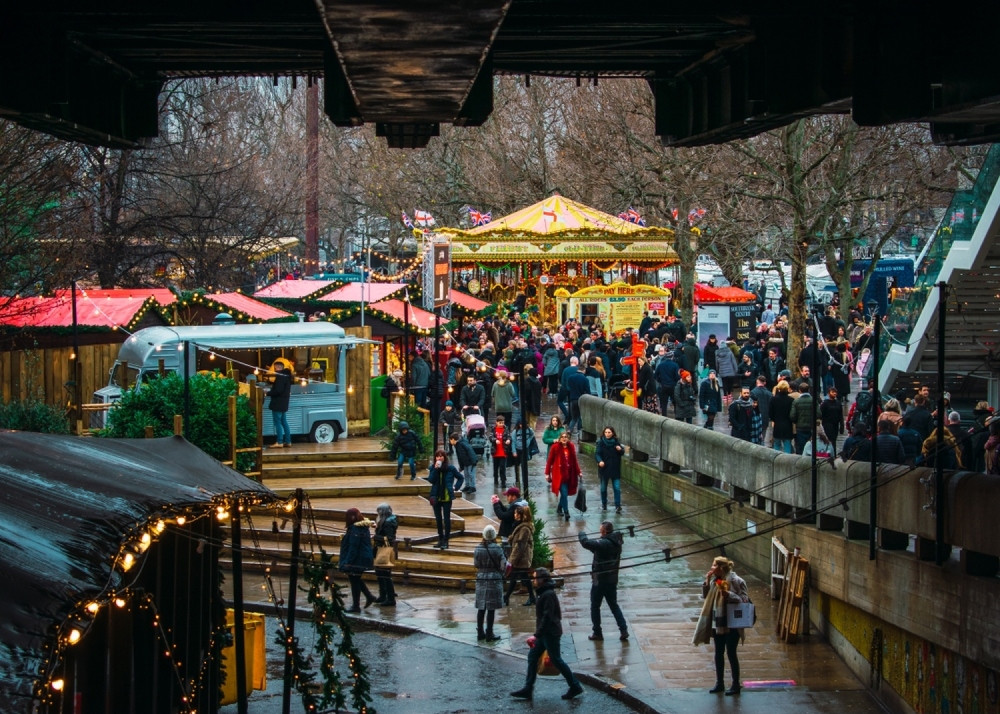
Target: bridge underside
92,70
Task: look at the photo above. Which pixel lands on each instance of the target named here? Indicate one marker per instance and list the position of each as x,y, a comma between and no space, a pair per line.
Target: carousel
539,256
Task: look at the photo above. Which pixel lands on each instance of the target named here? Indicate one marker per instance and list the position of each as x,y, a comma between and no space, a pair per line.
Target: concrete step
357,467
385,487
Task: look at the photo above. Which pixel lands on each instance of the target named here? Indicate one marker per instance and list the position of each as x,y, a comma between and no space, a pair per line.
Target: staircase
356,473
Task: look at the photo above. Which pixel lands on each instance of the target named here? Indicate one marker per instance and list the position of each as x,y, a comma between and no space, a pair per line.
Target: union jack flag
406,221
422,218
632,216
479,219
695,215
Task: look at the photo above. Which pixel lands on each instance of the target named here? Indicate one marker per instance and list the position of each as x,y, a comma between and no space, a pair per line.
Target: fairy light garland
120,592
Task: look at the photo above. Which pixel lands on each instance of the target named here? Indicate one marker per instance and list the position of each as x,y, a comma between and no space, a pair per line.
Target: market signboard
618,305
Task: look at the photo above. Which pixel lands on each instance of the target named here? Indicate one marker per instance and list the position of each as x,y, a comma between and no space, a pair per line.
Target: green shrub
405,411
542,553
33,415
156,403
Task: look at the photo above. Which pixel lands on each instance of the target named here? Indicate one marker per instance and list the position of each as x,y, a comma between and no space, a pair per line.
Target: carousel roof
561,229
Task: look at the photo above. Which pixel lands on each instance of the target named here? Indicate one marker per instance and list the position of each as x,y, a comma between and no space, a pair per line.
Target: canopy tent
70,511
707,294
243,307
557,242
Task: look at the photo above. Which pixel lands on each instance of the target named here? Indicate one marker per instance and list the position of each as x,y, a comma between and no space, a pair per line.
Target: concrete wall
922,617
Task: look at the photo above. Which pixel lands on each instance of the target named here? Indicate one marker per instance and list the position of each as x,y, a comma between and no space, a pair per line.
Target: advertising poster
712,320
742,322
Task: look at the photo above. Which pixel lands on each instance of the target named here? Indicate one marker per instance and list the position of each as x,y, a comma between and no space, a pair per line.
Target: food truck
314,352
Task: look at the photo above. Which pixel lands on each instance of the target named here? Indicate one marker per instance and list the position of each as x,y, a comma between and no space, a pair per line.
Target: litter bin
379,410
255,663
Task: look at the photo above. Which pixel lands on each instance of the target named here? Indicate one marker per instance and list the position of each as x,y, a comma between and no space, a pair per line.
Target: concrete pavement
657,669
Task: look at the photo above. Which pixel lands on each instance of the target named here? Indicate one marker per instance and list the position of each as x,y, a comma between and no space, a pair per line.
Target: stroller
475,431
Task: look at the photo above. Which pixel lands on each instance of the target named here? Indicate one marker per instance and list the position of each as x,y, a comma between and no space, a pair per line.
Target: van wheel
324,432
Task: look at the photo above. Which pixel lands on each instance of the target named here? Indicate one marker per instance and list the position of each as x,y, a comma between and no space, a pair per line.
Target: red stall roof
293,288
468,302
94,308
368,292
419,318
247,305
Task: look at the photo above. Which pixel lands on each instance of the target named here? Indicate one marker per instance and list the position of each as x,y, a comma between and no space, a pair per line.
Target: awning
468,302
66,506
706,294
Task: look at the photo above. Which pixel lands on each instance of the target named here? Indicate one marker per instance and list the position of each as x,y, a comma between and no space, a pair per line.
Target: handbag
508,570
581,499
383,557
740,615
545,666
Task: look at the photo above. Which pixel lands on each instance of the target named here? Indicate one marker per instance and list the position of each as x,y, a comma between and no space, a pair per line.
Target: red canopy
706,294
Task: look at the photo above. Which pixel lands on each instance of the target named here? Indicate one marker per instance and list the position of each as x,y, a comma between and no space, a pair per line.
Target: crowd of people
492,362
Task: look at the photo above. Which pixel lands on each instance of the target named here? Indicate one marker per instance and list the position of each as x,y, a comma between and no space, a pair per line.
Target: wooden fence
43,373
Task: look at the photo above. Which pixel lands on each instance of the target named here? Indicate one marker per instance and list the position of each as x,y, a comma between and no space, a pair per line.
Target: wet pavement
429,660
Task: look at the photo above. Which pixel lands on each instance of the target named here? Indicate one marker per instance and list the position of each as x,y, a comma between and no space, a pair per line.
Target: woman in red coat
562,470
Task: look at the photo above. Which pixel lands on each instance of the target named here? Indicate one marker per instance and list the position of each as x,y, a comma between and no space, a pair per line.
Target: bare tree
39,213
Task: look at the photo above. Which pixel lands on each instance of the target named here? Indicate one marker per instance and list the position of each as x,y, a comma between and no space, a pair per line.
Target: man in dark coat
607,552
280,392
547,637
505,513
741,415
472,397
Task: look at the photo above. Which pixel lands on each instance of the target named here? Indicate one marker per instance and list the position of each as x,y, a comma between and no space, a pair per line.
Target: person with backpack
861,410
911,439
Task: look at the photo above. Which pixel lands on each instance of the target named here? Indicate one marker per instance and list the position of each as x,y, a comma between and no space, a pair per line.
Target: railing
958,225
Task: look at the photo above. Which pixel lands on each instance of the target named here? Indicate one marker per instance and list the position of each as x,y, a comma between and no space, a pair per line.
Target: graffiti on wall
929,678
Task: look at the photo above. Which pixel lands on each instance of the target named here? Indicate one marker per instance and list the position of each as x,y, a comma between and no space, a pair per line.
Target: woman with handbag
490,566
722,586
522,550
356,556
562,470
445,481
385,540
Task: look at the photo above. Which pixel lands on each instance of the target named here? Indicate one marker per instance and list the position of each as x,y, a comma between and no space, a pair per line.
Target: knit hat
449,403
489,533
512,491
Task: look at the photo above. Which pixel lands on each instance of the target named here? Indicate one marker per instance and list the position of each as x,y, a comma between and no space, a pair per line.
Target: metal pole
939,549
435,400
524,435
406,346
77,372
364,283
814,485
876,404
293,586
187,390
238,632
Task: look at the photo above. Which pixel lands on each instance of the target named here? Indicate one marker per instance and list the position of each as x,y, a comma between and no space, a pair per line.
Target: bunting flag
695,215
632,216
479,219
422,218
406,221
